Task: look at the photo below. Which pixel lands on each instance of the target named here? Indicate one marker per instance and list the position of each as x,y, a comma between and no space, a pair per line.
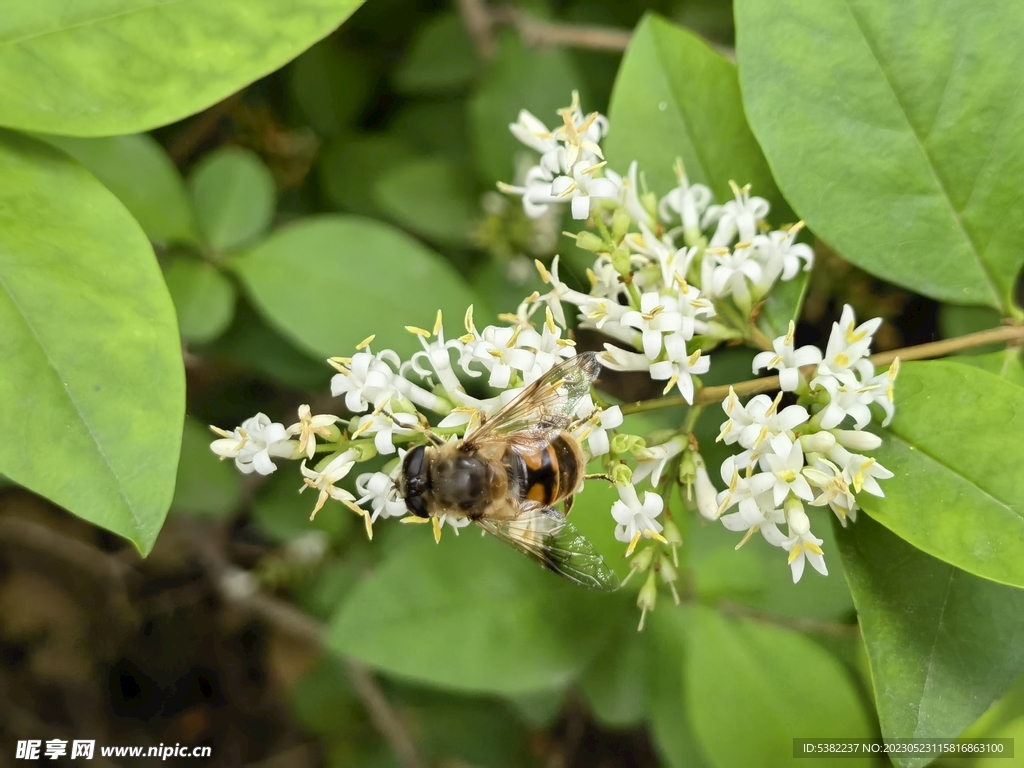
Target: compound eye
417,505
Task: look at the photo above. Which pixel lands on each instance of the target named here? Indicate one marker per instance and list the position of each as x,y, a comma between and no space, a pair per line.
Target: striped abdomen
548,473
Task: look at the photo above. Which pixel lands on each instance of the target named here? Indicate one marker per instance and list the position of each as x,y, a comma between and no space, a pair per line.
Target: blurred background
218,637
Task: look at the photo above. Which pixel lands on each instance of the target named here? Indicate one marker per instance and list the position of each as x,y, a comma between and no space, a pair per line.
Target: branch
481,20
232,582
1012,335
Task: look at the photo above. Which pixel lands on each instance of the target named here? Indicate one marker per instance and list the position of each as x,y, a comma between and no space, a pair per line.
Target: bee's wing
544,535
546,406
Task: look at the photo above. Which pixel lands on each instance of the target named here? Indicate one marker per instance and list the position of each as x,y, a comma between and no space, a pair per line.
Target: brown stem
537,32
1013,335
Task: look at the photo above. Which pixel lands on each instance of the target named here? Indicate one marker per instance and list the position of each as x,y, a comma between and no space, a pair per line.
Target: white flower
853,440
384,428
787,473
365,378
308,427
862,472
762,515
535,192
653,459
548,347
742,490
618,359
596,434
436,354
324,480
629,193
499,350
657,315
804,547
835,489
768,423
680,367
732,270
582,186
252,444
848,345
380,490
780,255
739,216
847,397
881,389
787,360
580,134
636,519
687,201
533,133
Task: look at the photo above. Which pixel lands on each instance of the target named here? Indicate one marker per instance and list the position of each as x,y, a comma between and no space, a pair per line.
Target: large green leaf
121,66
137,169
440,58
203,298
329,281
206,486
470,614
1006,363
896,130
956,451
330,84
752,688
674,98
942,644
92,384
430,196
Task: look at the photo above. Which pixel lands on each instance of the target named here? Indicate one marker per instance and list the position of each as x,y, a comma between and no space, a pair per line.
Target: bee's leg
600,476
568,502
422,428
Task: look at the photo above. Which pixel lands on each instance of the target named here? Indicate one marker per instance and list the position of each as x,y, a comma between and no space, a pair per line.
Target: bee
508,473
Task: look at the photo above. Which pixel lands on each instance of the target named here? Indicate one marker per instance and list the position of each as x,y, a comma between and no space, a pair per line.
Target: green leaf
328,282
955,449
93,385
203,297
206,486
122,66
233,194
959,321
942,644
894,136
674,98
615,684
470,614
538,80
784,303
349,167
440,58
752,688
138,170
431,197
330,85
668,717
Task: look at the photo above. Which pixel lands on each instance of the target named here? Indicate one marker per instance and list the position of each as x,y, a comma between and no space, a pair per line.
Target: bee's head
416,481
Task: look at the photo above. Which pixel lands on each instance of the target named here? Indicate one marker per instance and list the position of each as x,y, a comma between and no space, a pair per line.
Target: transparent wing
546,406
544,535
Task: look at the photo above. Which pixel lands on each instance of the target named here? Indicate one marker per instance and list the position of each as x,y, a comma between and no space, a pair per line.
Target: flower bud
796,518
649,201
707,503
621,261
672,535
687,472
647,598
588,241
620,223
817,442
622,475
666,569
642,560
856,440
625,443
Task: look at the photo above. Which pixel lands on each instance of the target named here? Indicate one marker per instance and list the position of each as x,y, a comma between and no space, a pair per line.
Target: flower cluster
800,453
672,278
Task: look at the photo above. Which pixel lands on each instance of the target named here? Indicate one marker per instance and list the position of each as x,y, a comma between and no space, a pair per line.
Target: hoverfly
508,473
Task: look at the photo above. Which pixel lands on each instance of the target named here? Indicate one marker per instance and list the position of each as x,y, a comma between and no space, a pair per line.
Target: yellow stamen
791,335
366,342
438,323
591,277
415,520
842,359
436,522
418,331
774,406
655,535
692,359
746,537
794,553
515,336
671,383
894,369
633,543
549,321
810,546
221,432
